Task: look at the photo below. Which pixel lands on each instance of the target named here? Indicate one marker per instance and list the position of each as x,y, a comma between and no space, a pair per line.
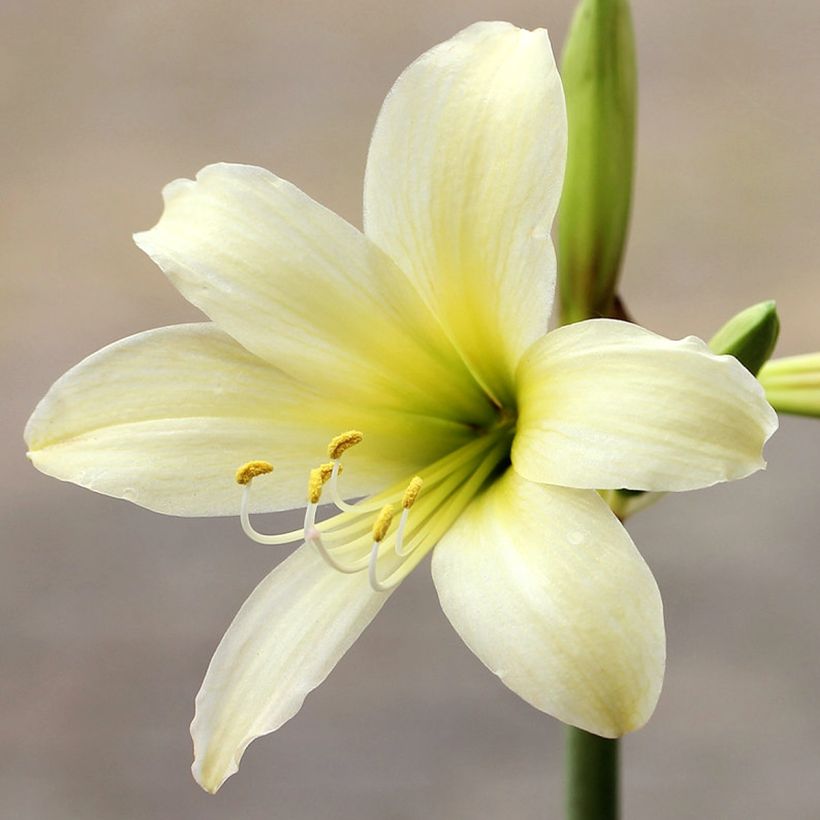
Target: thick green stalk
598,72
592,779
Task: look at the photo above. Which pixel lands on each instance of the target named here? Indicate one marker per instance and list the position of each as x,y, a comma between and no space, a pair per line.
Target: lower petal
546,587
283,643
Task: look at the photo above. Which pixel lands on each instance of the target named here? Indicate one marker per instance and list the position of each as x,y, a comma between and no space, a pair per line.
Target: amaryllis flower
418,349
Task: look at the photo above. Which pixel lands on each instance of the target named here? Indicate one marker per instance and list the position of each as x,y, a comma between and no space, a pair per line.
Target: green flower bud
750,336
598,72
792,385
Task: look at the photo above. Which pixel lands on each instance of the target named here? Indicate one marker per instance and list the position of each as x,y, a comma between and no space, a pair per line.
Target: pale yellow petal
606,404
301,288
283,643
463,179
164,419
546,587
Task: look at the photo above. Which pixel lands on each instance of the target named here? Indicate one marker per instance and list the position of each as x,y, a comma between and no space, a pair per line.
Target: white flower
427,333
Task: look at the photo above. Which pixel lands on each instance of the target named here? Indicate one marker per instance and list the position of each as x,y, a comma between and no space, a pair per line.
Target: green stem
592,780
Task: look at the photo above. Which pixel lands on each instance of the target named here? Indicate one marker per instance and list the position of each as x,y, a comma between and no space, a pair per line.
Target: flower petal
463,180
282,644
606,404
546,587
298,286
164,419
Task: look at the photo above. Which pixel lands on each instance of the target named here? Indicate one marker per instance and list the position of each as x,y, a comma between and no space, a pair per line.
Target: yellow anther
412,492
319,476
247,472
327,471
382,522
343,442
315,483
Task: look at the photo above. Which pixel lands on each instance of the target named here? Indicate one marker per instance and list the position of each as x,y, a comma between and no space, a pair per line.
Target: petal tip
208,778
210,769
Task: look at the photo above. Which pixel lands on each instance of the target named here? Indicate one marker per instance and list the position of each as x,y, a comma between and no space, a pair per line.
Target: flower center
361,536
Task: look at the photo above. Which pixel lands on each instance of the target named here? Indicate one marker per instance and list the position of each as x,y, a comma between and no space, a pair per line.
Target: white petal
546,587
164,419
608,404
463,179
300,287
283,643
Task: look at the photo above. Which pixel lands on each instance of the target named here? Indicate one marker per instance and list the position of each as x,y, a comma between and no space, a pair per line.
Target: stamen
435,526
342,442
380,527
382,523
410,496
434,474
343,541
338,445
244,476
337,496
319,476
412,492
313,536
327,470
315,484
375,584
247,472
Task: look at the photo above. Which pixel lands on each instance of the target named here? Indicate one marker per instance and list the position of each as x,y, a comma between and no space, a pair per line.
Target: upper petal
607,404
546,587
283,643
463,180
164,418
300,287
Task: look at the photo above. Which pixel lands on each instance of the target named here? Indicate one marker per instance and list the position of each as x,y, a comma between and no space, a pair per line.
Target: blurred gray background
109,614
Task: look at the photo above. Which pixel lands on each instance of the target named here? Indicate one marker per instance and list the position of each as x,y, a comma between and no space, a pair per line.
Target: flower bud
792,384
598,72
750,336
